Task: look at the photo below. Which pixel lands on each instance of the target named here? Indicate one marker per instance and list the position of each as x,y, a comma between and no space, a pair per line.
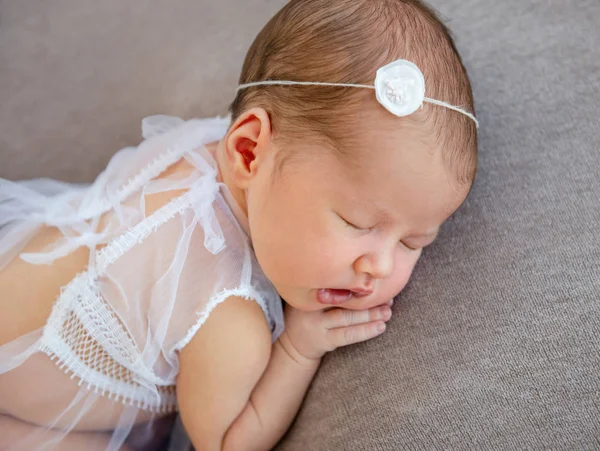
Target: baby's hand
310,335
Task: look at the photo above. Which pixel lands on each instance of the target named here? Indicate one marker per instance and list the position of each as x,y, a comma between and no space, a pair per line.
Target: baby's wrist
305,361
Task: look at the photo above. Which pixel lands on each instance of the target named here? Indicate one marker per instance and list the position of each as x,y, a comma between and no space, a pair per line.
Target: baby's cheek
397,284
402,272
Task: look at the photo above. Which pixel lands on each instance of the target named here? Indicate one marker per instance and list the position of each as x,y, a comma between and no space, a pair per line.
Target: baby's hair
346,41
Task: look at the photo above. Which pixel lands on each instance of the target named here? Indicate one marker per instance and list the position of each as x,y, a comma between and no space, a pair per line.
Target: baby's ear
247,144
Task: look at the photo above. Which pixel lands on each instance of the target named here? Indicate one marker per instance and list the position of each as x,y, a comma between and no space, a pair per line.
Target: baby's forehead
384,170
395,146
376,124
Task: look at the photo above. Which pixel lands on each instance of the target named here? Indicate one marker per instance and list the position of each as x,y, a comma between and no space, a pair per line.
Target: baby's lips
329,296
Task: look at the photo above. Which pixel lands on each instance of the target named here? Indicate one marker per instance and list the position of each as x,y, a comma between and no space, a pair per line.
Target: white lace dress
151,281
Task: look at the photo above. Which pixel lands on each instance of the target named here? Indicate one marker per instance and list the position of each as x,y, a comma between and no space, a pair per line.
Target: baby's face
327,233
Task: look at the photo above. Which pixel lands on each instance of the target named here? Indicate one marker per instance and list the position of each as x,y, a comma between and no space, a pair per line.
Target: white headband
399,87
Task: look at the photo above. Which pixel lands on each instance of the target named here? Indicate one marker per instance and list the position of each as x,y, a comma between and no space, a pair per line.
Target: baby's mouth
336,296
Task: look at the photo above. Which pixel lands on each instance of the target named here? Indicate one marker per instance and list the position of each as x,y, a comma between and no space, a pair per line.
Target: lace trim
135,183
80,299
79,353
119,246
130,395
248,293
78,302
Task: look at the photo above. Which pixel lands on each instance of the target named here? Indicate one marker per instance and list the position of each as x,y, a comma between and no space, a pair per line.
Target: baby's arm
219,368
224,401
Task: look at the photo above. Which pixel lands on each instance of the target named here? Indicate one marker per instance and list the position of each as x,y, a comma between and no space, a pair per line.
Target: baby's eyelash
350,224
354,226
410,248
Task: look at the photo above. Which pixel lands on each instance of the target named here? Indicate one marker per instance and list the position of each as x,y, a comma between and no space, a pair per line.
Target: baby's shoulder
238,324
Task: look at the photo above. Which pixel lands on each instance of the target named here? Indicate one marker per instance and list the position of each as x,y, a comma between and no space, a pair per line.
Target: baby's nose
378,266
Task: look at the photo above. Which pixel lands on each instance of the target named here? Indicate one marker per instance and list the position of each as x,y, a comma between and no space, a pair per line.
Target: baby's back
28,295
29,292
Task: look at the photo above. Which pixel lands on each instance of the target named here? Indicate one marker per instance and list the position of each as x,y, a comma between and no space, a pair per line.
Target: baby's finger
344,336
343,318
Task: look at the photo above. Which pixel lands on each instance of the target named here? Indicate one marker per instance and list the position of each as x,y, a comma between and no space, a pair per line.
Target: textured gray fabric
495,343
77,77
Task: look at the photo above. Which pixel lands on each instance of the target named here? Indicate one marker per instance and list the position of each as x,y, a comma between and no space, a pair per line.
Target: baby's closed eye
354,224
411,246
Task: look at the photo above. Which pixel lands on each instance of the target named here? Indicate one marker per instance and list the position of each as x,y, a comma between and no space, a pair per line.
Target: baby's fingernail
391,303
386,313
380,327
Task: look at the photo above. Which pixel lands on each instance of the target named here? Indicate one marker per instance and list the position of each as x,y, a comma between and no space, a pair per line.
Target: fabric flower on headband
399,88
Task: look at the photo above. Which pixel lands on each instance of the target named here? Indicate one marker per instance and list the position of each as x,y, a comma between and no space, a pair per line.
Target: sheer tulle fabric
152,281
